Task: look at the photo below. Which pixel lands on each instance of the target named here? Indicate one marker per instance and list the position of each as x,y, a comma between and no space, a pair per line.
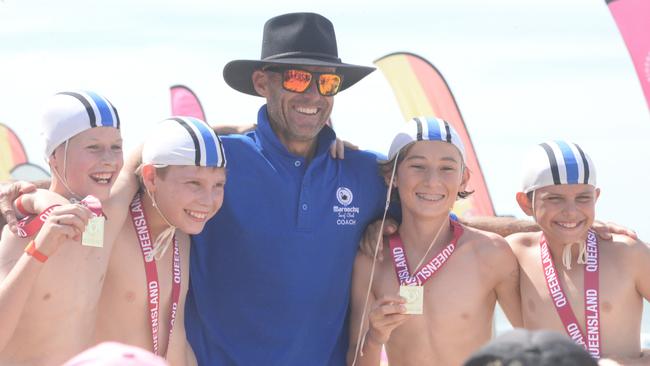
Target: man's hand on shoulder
338,146
9,191
606,229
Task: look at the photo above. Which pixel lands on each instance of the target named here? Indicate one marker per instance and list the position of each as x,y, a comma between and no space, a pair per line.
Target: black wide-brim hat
299,39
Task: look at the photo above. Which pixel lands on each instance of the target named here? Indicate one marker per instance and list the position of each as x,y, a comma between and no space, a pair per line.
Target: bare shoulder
626,241
626,247
494,257
523,241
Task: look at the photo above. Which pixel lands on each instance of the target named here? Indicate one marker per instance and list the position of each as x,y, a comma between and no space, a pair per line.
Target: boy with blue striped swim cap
432,303
596,299
182,179
51,287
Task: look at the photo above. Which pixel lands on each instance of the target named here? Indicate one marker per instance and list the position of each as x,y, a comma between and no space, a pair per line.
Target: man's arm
504,226
501,225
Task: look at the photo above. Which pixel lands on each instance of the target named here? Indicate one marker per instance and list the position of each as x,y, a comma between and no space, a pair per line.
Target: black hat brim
238,73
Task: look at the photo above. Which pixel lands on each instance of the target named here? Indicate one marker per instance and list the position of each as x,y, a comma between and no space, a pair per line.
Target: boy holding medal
590,289
50,282
432,302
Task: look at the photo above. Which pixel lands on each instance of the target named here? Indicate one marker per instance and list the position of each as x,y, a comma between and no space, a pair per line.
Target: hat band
315,55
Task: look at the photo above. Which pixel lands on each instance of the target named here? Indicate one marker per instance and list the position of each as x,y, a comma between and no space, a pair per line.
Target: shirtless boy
183,177
571,281
182,180
461,282
50,283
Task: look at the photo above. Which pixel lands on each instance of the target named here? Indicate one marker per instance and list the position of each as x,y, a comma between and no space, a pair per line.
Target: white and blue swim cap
557,162
425,129
69,113
183,141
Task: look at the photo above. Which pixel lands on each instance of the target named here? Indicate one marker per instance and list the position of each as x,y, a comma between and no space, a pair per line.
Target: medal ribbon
590,341
427,270
30,225
153,287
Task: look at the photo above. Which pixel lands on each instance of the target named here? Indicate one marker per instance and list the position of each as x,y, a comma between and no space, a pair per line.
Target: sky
522,72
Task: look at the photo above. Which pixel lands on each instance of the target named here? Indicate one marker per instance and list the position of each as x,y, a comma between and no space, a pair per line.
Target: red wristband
32,251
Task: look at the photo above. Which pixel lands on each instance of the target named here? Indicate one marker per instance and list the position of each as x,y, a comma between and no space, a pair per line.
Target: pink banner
633,20
186,103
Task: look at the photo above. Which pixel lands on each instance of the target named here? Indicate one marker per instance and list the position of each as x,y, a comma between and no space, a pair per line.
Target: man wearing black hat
270,274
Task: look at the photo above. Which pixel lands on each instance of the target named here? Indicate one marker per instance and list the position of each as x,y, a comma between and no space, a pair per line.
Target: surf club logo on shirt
345,213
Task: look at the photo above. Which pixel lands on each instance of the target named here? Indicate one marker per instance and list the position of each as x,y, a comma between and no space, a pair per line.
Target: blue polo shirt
270,273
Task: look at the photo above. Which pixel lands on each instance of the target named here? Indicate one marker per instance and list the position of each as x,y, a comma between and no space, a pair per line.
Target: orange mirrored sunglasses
298,80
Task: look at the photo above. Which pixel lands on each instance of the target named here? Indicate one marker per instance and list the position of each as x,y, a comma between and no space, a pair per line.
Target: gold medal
414,296
94,234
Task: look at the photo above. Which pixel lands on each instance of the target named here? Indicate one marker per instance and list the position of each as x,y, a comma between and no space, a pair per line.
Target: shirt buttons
304,207
297,163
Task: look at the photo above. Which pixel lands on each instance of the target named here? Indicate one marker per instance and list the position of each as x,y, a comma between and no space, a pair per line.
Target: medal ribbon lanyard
30,225
591,340
151,271
427,270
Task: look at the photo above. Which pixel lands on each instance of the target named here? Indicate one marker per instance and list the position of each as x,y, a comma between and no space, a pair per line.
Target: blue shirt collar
268,138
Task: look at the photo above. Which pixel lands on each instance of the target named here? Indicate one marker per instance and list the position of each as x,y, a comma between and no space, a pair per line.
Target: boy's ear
149,177
597,194
465,179
524,203
387,180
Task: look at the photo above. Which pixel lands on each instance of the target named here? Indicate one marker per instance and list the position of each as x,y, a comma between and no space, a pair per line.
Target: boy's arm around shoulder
504,263
501,225
125,187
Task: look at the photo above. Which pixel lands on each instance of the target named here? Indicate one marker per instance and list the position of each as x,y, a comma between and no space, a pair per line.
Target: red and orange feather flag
421,90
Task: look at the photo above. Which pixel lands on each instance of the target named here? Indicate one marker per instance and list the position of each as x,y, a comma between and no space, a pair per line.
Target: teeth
568,225
197,215
102,175
430,197
305,110
101,178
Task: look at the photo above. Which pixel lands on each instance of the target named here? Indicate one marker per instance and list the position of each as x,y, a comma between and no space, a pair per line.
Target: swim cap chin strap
566,254
163,239
74,197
